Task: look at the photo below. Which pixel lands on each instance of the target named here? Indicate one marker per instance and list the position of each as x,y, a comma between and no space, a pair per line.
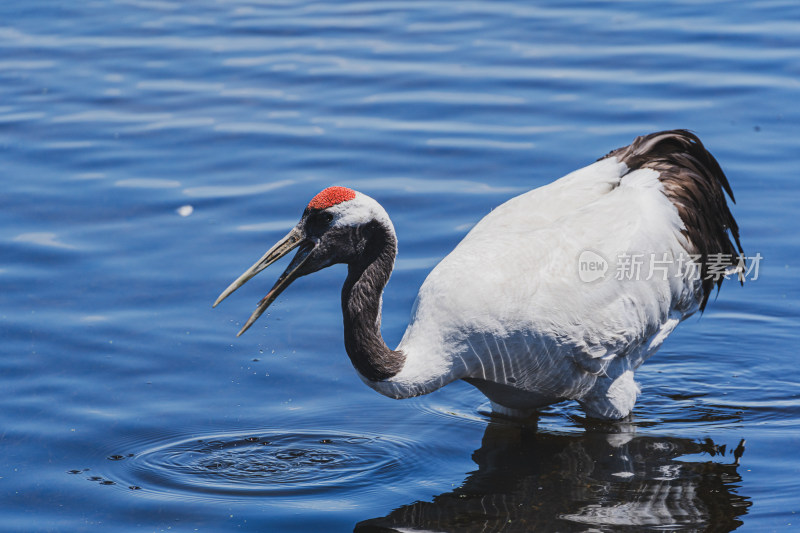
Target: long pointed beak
294,239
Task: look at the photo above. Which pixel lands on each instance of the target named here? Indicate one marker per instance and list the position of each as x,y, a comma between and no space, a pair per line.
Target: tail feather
696,185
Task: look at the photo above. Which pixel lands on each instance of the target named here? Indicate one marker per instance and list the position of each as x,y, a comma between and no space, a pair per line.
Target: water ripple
224,191
148,183
270,128
284,463
42,239
435,126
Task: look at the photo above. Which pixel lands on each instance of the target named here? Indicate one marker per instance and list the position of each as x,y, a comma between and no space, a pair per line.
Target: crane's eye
319,221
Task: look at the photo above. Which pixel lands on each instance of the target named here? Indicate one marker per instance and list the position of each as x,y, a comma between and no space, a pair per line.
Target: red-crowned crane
508,310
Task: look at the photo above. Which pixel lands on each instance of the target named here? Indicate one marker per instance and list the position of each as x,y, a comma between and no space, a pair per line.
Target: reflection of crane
506,310
538,481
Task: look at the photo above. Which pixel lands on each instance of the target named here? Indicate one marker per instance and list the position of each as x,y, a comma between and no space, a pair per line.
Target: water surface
152,150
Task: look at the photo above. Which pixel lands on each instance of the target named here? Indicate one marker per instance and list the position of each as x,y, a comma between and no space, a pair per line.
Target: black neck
361,306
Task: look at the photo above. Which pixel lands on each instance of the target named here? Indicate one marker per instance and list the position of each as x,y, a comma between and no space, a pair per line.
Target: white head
349,208
339,225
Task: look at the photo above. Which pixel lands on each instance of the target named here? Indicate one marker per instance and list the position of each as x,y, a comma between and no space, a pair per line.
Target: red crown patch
331,196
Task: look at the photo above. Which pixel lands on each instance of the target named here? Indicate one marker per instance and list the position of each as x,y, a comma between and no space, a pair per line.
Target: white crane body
507,310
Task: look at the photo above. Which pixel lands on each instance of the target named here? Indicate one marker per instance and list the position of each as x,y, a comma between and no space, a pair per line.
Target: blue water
152,150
